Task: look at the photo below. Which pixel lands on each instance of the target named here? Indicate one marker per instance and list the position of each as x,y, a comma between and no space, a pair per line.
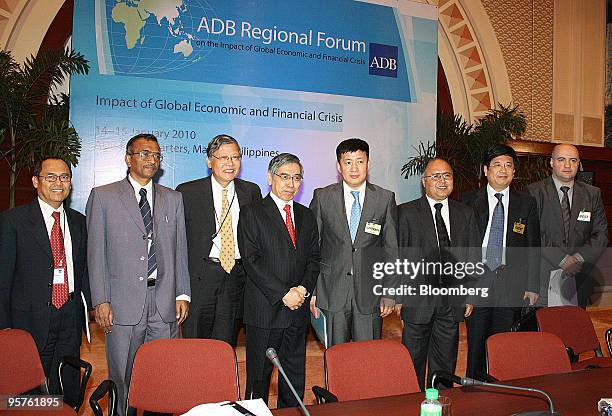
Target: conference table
575,393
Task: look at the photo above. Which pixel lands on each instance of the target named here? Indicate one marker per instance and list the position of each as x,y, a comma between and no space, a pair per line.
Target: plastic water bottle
431,406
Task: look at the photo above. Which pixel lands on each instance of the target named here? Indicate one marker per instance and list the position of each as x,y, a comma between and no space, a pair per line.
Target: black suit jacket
26,271
418,241
522,270
200,220
273,266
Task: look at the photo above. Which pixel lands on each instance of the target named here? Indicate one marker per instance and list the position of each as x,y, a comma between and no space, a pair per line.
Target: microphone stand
272,356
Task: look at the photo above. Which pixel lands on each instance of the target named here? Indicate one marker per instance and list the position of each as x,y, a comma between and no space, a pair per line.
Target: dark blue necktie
145,211
495,244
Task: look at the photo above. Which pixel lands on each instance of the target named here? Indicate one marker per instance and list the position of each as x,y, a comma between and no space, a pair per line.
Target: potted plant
33,125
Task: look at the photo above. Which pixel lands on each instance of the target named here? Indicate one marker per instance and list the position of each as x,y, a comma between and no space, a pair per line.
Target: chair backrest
570,323
21,370
525,354
367,369
174,375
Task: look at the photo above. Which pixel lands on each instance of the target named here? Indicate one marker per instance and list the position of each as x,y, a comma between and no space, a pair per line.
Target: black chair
106,387
78,364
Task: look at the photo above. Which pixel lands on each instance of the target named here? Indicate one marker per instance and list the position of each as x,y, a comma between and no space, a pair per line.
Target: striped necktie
145,211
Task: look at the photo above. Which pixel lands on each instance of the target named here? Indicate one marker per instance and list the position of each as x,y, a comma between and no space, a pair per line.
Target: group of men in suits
214,253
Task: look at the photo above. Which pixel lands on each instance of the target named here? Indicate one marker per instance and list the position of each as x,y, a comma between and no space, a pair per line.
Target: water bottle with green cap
431,406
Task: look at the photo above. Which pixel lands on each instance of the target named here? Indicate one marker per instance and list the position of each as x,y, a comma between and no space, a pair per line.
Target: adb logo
383,60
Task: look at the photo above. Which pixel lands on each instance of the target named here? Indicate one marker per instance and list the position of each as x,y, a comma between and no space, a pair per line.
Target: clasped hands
295,297
572,265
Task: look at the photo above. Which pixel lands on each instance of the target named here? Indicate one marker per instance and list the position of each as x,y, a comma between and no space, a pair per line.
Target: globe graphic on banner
154,36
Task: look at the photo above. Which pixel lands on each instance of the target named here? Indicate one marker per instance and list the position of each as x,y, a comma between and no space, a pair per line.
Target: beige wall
548,56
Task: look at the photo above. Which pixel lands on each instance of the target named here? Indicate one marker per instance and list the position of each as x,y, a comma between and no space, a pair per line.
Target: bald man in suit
435,229
573,223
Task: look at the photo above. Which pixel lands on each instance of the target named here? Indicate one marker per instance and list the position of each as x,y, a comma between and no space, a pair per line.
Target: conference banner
279,76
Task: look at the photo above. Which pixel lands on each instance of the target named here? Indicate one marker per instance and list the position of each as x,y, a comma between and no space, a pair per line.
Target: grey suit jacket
342,261
589,238
118,253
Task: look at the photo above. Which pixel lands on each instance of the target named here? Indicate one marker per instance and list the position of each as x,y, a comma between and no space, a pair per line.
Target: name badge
58,276
519,228
372,228
584,216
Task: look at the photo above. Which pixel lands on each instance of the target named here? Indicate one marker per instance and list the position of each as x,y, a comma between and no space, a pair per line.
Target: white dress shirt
570,193
149,188
348,199
280,204
47,213
444,212
492,200
232,198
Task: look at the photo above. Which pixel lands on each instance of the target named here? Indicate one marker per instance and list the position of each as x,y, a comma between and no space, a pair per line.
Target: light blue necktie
496,235
355,215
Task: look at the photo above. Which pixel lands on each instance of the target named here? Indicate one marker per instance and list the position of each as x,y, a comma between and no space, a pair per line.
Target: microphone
466,381
272,356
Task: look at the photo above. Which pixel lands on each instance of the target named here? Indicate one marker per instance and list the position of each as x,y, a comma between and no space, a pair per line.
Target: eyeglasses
226,159
437,176
144,155
285,177
53,177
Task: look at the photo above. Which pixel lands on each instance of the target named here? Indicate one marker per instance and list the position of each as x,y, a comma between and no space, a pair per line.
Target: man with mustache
137,258
44,271
435,229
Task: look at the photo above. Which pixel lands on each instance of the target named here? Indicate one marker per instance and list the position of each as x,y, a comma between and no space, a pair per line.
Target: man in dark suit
509,230
356,219
573,223
279,242
44,271
212,209
436,230
137,260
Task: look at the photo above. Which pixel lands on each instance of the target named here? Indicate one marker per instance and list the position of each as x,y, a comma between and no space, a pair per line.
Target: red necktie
59,295
289,224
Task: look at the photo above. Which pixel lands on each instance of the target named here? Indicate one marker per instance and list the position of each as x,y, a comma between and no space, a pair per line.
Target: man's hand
532,297
293,299
313,309
468,310
182,310
571,266
386,306
104,317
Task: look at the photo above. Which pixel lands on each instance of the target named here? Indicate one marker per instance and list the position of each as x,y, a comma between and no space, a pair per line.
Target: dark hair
352,145
39,163
283,159
129,147
219,141
499,150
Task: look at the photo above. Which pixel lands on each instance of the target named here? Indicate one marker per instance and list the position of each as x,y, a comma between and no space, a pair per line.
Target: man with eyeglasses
278,240
509,230
43,255
573,230
137,258
435,229
357,220
212,210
